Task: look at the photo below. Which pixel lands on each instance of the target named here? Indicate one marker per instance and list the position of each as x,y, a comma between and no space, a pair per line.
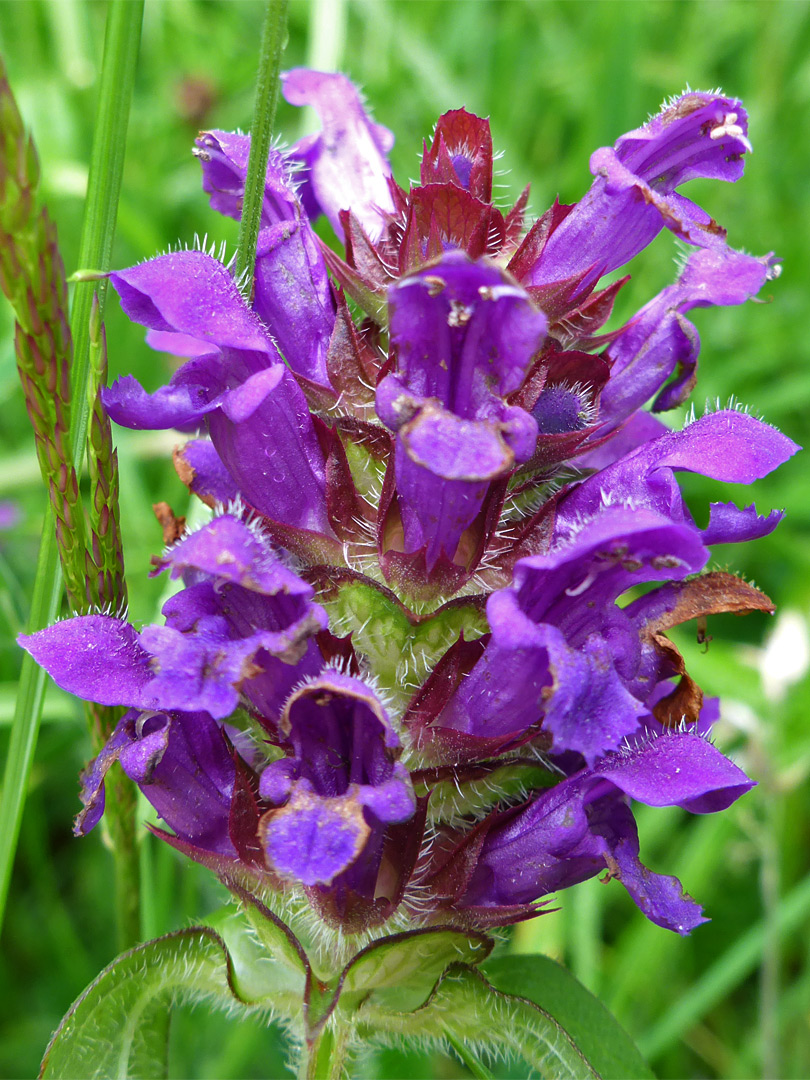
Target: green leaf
600,1037
464,1009
409,965
117,1029
265,961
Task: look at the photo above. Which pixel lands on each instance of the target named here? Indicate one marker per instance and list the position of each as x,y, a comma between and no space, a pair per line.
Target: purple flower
583,825
659,341
634,194
241,615
341,785
345,165
463,337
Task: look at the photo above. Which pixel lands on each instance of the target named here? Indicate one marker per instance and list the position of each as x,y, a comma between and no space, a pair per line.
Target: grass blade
724,974
117,79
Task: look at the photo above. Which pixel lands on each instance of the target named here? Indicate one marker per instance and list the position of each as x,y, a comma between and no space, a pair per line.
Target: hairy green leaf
597,1033
117,1029
408,965
466,1009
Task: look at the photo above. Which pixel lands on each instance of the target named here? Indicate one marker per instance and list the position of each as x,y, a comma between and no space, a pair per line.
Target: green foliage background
558,80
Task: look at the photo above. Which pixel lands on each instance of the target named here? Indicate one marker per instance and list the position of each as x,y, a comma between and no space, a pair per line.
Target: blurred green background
557,80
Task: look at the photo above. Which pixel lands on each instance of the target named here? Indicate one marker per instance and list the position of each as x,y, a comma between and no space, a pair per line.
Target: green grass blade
28,711
274,39
121,45
103,187
724,974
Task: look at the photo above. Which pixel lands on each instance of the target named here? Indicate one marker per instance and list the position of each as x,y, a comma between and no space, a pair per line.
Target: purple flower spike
340,787
346,165
634,196
436,434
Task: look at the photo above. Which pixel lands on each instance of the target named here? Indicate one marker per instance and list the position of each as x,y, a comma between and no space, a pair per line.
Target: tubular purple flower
582,826
346,165
240,605
633,196
341,784
561,652
183,764
291,291
659,340
463,336
293,297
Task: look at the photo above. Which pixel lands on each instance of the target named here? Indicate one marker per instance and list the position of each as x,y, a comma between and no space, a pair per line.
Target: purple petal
224,159
264,435
444,467
293,297
230,551
677,769
729,445
313,839
191,782
610,553
639,429
660,897
730,525
172,406
92,780
200,467
347,164
95,657
191,293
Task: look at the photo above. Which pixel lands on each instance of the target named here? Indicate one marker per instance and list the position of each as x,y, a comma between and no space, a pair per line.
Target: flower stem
117,81
324,1057
274,40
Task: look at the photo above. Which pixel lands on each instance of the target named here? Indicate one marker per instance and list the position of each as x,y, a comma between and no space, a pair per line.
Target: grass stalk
274,39
117,80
